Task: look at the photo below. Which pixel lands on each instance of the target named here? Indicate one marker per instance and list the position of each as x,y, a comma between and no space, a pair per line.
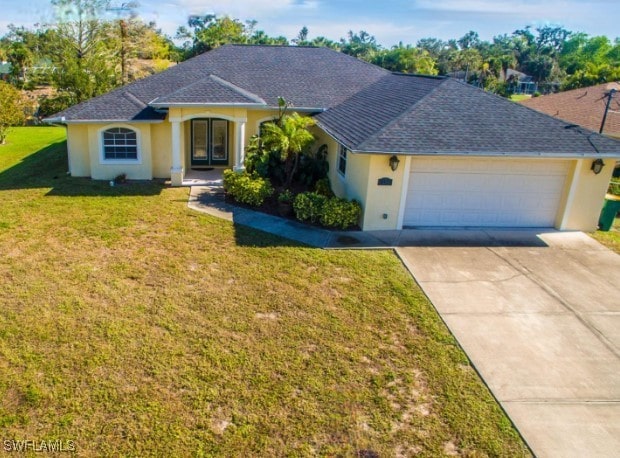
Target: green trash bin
609,212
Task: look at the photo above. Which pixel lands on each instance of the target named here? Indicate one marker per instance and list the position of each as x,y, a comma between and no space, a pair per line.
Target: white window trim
104,161
346,161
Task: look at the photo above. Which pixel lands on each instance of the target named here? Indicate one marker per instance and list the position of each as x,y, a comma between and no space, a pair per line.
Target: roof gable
209,90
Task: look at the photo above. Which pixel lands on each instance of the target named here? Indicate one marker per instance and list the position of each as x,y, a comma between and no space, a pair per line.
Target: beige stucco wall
255,118
107,170
584,196
161,147
361,183
383,200
579,209
78,150
85,153
155,143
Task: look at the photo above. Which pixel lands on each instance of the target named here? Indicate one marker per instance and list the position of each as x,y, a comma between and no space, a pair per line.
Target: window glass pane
120,143
342,160
219,136
200,139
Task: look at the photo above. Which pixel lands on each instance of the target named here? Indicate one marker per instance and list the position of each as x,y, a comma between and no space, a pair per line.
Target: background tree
361,45
323,42
209,31
469,40
302,37
11,109
590,61
406,59
259,37
126,13
83,53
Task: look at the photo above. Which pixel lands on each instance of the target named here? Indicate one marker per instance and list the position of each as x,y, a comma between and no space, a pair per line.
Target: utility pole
609,97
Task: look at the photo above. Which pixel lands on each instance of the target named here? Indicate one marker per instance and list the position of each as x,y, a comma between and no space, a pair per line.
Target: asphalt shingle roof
366,108
211,90
584,106
315,78
418,115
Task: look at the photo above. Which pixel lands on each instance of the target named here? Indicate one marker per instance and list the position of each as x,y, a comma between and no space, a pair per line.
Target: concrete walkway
209,199
538,314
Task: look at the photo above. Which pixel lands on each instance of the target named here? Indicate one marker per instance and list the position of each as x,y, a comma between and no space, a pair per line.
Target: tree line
93,47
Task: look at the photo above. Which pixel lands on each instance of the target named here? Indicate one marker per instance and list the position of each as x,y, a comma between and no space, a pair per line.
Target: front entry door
209,142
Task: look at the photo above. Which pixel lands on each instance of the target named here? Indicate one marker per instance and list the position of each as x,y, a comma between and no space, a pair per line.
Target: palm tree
290,137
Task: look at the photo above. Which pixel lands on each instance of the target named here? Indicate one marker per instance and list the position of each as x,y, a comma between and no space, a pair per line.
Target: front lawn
137,327
611,239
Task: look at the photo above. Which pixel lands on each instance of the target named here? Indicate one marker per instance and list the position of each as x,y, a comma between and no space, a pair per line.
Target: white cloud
478,6
538,8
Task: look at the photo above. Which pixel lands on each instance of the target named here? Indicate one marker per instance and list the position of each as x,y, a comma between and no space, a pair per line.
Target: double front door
209,142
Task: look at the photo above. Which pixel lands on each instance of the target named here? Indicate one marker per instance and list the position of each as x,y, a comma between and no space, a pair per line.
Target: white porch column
176,172
239,145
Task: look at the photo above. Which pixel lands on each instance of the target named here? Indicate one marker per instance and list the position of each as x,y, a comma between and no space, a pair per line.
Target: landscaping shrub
329,211
286,196
246,188
308,206
264,163
614,187
340,213
312,167
324,187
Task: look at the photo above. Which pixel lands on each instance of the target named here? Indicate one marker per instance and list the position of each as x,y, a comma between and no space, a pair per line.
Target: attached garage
485,192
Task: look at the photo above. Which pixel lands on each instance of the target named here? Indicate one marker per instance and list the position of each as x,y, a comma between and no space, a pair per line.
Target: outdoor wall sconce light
394,161
597,166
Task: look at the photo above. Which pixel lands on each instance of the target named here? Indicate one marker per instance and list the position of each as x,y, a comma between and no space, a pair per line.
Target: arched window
120,143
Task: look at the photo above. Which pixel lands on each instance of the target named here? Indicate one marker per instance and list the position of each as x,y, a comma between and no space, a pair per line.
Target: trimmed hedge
308,206
329,211
246,188
340,213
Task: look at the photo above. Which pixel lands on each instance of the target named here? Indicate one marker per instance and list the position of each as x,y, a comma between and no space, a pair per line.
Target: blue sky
390,21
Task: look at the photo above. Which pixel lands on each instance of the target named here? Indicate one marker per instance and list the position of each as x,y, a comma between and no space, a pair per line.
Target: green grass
519,97
611,239
137,327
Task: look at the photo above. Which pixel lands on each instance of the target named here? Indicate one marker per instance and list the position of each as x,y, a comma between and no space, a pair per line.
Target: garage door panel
492,193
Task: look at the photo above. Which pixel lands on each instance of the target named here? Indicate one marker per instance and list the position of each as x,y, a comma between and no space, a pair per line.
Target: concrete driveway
541,324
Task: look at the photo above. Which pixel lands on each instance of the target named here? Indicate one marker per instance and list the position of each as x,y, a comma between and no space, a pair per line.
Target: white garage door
484,192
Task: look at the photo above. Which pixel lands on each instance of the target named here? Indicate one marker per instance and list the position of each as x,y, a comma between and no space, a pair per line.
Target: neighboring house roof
307,78
424,115
585,107
517,74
